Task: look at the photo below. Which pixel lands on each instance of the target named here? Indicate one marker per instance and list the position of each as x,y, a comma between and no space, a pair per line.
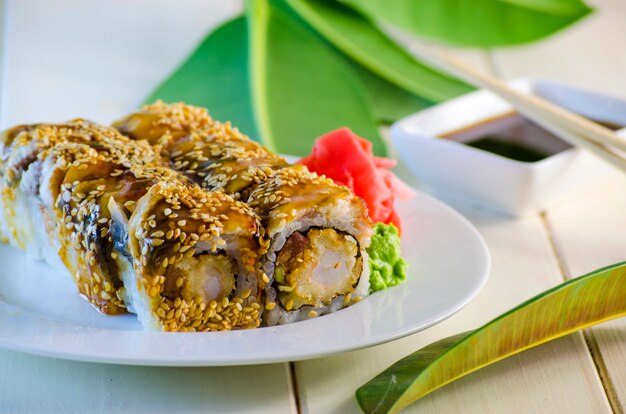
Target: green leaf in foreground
301,88
587,300
480,23
215,76
366,44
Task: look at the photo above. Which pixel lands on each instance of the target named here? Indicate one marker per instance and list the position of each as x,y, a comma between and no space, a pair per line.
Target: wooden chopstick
575,139
573,128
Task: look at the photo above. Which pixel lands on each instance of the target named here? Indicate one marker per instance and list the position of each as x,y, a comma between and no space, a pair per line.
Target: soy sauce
497,145
512,136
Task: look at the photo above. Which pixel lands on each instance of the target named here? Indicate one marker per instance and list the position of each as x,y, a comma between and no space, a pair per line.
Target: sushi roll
314,256
317,232
133,234
42,215
194,260
216,156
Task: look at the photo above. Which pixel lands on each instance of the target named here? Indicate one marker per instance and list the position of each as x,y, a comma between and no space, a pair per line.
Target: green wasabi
387,267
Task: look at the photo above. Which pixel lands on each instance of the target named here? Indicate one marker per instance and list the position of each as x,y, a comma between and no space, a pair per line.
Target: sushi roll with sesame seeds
216,156
314,258
194,260
52,213
133,234
317,233
19,209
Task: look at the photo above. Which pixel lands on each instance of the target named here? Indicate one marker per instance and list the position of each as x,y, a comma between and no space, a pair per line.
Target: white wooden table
98,59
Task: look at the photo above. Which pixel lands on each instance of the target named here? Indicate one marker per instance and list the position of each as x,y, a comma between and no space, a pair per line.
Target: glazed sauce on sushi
514,137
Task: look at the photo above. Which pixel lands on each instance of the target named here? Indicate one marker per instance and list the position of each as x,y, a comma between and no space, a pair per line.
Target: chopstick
563,123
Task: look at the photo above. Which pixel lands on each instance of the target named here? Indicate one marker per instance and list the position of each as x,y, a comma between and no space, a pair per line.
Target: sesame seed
346,299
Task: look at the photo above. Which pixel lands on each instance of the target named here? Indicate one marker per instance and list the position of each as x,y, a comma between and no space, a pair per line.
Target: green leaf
390,102
359,39
215,76
587,300
480,23
301,88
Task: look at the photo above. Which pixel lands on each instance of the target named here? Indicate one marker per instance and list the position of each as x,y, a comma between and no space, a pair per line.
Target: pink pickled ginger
348,160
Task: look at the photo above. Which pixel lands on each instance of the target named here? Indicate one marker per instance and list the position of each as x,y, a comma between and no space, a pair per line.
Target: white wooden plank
33,384
589,234
587,231
557,377
589,54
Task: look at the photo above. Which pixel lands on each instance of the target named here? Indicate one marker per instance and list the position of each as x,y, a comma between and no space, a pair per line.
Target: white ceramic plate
41,313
